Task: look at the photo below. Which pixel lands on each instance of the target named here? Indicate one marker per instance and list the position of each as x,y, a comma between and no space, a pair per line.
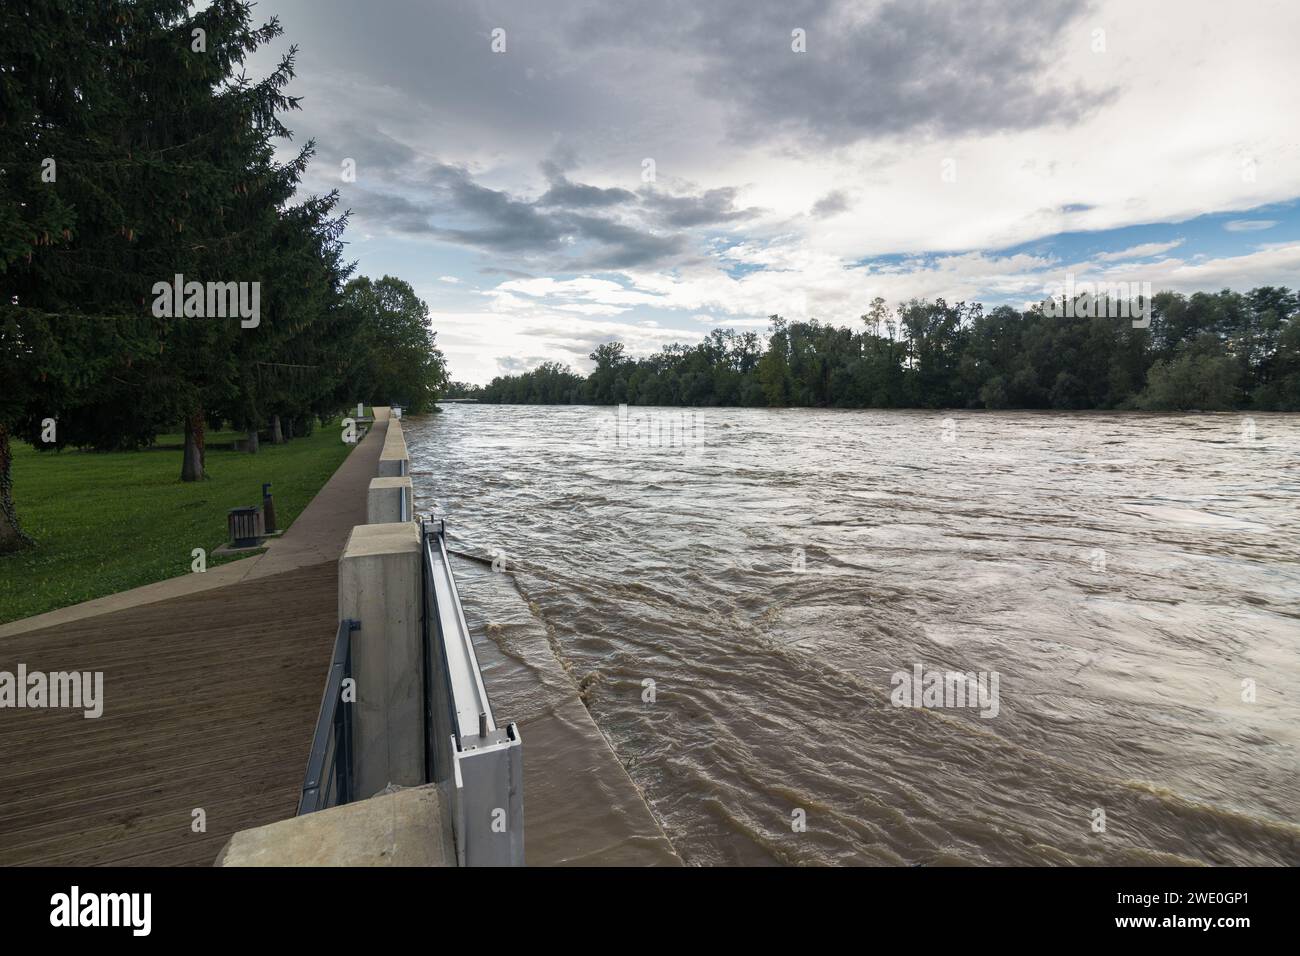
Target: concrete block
407,827
389,500
379,585
393,460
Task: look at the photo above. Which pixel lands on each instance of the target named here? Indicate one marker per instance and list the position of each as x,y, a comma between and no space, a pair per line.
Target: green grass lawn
106,522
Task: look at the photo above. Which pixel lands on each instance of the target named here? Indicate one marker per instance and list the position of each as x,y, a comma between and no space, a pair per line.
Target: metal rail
481,763
329,779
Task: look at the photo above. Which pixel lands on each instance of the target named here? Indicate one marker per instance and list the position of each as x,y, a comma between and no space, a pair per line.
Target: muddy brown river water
743,594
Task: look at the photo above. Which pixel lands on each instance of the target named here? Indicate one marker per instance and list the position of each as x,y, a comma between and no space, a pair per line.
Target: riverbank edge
581,807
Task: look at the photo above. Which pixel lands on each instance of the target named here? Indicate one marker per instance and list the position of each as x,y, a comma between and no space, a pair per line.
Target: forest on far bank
1207,351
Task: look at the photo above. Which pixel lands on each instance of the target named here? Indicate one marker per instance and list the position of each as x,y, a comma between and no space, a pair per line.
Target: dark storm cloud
576,195
560,227
576,342
835,201
931,66
626,247
391,211
500,222
374,151
589,68
611,77
684,211
709,208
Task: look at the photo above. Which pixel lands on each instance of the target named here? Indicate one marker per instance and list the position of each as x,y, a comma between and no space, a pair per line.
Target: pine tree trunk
12,536
253,445
277,436
192,463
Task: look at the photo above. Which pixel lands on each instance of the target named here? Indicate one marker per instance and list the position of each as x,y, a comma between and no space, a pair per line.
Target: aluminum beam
481,763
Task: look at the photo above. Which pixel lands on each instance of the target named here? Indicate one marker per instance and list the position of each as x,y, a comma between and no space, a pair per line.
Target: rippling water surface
769,570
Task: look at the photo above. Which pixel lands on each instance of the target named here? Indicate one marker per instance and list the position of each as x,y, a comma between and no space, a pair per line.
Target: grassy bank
106,522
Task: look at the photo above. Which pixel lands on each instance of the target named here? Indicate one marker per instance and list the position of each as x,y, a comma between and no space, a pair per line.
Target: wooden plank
210,701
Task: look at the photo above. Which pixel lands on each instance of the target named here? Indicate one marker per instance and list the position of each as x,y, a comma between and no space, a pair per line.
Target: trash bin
245,527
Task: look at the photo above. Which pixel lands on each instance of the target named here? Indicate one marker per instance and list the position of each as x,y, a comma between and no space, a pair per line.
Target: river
744,594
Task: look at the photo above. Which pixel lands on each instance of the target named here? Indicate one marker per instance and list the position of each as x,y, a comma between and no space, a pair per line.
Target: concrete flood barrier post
393,460
410,827
389,500
380,586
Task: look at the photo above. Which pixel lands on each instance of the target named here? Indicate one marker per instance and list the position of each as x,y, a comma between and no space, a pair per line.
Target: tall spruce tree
67,320
133,152
206,148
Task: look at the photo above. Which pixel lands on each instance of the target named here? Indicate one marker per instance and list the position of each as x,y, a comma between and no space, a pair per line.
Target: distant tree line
462,390
134,150
1208,351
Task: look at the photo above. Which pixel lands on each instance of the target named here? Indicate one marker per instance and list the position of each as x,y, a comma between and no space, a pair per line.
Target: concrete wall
409,827
379,585
393,460
389,500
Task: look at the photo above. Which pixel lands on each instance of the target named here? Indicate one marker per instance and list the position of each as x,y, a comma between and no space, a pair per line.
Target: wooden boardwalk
209,703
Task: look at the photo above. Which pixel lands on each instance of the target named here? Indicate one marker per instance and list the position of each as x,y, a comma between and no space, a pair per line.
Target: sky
553,175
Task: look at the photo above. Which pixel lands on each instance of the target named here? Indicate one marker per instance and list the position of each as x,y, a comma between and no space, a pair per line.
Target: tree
304,362
603,382
774,366
1282,390
165,167
209,141
1191,381
400,360
57,179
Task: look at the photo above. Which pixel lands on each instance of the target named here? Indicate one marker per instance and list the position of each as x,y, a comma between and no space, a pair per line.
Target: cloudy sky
551,175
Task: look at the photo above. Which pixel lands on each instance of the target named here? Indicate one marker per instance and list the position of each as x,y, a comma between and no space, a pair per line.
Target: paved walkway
212,683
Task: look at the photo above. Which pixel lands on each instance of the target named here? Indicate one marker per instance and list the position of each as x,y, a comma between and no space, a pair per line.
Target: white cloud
474,341
1249,225
823,287
592,308
1273,265
1142,251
